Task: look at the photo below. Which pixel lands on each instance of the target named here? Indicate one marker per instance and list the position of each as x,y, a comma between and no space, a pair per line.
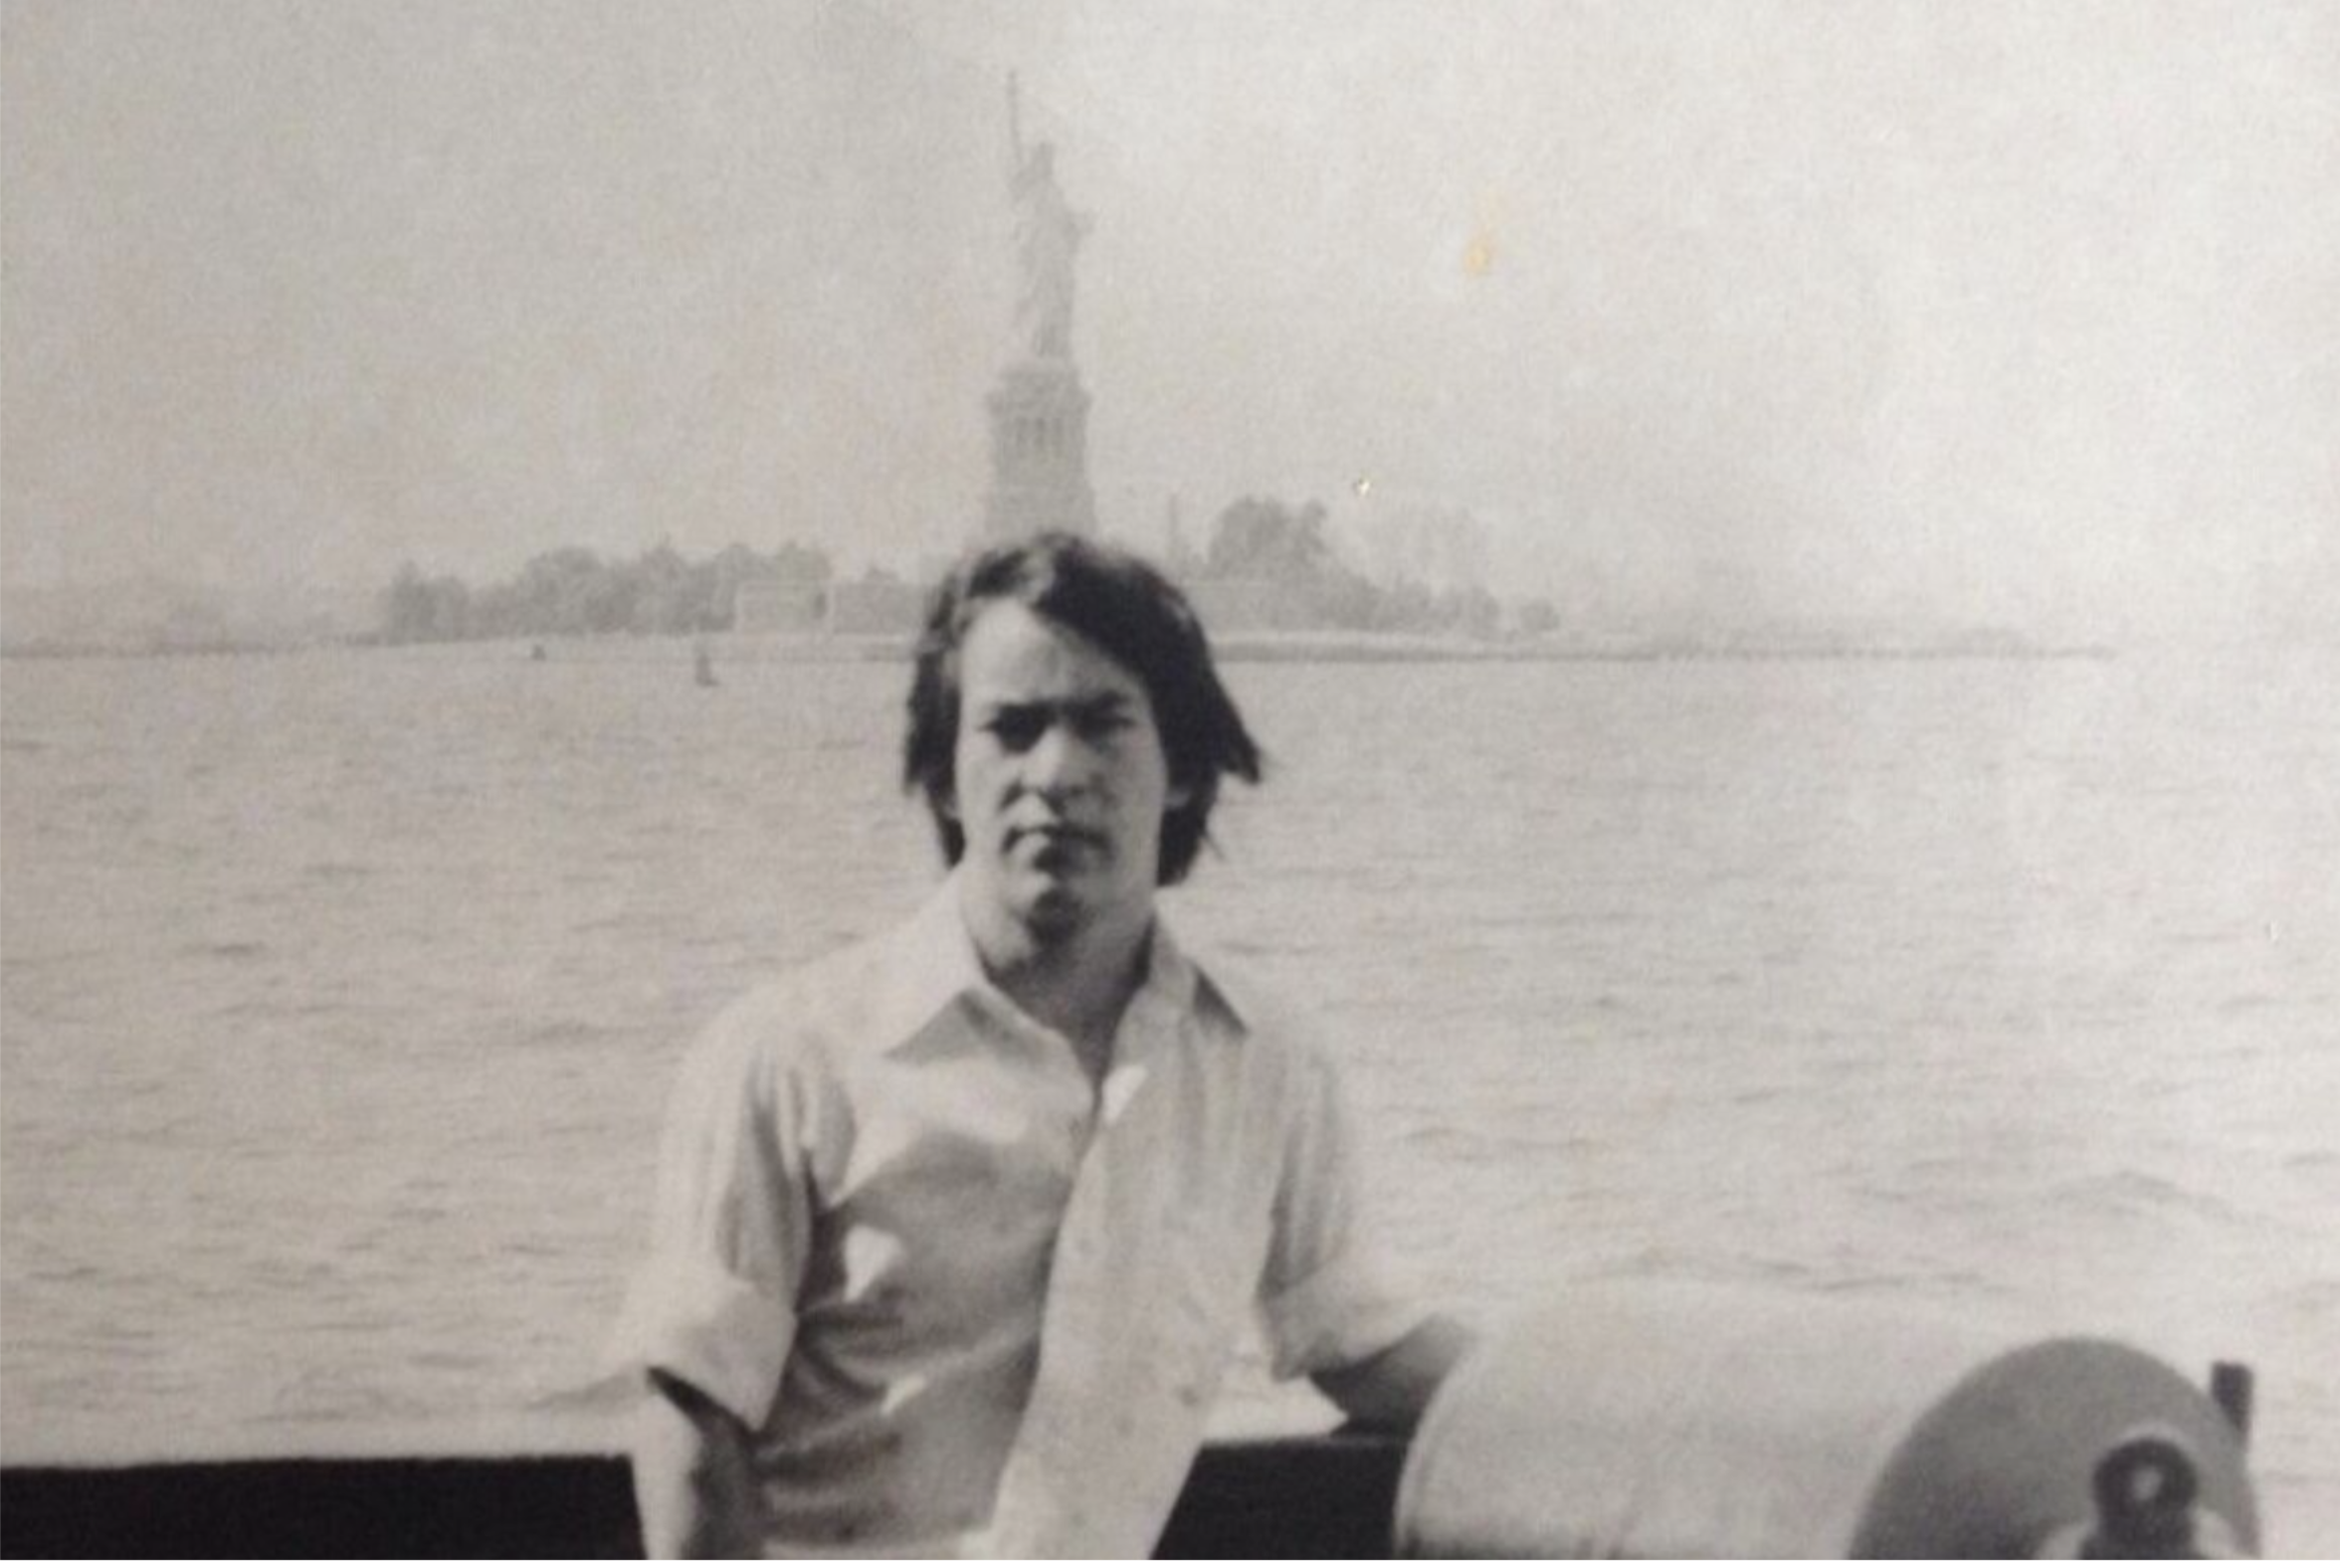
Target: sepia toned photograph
1100,778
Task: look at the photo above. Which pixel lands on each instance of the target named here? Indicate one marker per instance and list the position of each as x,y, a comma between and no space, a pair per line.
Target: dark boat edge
1330,1495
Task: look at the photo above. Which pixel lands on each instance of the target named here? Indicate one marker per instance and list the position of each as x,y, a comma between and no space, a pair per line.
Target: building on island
1248,604
764,605
876,606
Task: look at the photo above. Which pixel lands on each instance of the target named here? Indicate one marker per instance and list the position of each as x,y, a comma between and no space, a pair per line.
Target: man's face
1061,780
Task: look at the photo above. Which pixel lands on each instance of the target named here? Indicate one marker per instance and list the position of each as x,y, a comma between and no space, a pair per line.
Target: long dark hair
1124,606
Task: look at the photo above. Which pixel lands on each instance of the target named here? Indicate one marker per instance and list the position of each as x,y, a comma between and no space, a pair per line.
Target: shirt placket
1064,1489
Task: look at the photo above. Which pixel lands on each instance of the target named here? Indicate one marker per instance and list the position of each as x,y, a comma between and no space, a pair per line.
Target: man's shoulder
847,1003
1254,1010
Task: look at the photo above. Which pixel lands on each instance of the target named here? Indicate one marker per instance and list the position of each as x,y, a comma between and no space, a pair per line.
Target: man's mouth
1053,836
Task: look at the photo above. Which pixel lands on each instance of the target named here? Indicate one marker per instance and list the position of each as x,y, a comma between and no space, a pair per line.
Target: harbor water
339,993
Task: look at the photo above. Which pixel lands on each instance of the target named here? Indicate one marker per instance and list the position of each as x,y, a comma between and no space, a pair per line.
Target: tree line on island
1290,554
575,592
1284,558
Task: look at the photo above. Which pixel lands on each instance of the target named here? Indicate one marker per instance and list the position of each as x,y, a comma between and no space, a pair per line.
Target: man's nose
1061,759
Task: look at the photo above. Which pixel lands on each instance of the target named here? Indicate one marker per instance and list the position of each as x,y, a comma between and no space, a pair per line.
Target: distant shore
1349,648
1330,646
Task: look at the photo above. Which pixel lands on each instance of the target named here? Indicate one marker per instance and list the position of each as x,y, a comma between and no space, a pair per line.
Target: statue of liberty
1048,234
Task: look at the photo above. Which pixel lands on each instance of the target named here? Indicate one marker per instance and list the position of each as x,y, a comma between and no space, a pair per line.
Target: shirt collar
934,964
1171,979
931,964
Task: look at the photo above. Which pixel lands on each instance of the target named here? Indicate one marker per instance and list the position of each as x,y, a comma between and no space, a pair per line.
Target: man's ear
1180,797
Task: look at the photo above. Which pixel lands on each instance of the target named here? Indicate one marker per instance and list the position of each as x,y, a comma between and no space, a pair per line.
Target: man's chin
1054,912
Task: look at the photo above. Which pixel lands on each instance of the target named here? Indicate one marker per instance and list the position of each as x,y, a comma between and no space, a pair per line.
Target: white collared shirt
962,1303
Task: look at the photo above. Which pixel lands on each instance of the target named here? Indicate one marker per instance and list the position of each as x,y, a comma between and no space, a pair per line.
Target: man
956,1227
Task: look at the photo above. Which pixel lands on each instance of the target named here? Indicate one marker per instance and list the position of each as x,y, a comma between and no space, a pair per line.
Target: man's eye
1017,731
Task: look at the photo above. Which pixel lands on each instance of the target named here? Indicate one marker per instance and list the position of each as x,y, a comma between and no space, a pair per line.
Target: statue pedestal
1039,452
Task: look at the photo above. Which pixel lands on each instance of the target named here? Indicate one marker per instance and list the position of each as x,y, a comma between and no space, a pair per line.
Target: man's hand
1391,1389
692,1485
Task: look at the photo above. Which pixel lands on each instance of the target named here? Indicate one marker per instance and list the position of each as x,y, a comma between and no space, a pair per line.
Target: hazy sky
2008,310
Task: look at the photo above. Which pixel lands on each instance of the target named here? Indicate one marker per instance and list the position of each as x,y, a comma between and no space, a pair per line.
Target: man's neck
1077,984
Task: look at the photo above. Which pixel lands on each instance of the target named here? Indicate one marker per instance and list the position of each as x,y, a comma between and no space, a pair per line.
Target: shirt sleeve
1326,1296
714,1306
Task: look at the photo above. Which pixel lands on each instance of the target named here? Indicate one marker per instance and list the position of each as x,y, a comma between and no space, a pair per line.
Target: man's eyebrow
1098,708
1082,705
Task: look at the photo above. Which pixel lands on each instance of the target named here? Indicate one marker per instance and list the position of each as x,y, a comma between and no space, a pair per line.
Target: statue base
1039,452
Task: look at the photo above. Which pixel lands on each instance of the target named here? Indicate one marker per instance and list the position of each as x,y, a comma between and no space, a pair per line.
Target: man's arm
692,1485
1391,1389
